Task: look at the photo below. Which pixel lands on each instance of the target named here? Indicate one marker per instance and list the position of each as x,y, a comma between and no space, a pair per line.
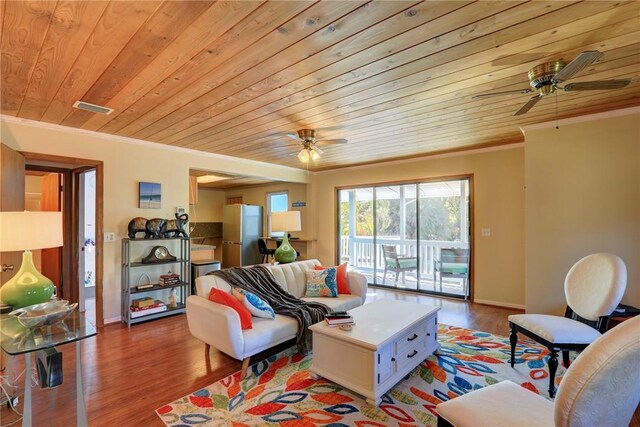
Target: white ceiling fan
310,151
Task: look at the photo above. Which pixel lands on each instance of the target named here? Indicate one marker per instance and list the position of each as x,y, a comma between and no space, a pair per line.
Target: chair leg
553,367
565,358
513,339
245,368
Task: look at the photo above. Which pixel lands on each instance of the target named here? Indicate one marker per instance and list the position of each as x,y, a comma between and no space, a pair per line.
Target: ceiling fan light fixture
314,154
304,156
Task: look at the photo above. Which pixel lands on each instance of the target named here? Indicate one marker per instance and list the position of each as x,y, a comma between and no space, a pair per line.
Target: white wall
582,197
209,206
126,162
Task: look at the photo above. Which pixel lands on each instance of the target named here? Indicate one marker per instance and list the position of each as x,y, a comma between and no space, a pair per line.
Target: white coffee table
389,340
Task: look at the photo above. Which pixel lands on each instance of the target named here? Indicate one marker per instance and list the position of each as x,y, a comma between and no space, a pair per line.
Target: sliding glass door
409,236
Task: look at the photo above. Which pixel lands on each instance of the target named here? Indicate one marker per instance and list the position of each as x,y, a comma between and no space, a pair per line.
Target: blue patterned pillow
322,283
256,305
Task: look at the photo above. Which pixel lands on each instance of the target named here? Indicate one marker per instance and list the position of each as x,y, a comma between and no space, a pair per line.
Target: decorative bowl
46,313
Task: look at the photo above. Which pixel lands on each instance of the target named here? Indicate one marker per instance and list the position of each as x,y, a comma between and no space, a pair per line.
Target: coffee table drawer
409,339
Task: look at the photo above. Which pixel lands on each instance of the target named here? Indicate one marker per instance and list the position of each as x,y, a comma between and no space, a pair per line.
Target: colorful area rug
280,392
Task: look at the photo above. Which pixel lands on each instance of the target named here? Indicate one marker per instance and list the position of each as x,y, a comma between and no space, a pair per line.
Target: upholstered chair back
602,386
595,285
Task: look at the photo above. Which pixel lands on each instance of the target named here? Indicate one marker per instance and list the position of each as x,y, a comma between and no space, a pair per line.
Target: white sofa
219,326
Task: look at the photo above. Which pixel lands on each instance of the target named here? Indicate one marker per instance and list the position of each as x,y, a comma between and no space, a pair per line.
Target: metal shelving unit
133,250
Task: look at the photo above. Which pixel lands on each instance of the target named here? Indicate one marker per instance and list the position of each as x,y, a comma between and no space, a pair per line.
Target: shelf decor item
158,254
285,221
26,231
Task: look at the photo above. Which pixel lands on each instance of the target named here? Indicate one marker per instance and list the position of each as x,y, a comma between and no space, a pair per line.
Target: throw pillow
343,282
322,283
221,297
252,302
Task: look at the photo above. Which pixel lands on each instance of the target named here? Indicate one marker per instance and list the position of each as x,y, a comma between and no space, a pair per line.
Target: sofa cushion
340,303
204,284
322,283
252,302
266,333
221,297
343,281
292,277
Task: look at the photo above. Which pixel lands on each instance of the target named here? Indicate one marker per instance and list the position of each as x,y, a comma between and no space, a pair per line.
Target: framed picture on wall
150,195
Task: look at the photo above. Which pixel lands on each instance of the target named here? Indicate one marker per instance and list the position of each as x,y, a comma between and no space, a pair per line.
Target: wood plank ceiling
395,78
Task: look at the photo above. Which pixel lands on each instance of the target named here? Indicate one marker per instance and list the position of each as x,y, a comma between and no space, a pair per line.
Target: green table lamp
285,221
26,231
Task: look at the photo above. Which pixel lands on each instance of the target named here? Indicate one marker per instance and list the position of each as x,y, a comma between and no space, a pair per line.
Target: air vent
81,105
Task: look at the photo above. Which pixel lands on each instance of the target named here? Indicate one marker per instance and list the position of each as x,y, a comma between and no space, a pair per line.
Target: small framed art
150,195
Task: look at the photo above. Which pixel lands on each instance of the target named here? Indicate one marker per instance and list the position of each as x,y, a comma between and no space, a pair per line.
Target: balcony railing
363,255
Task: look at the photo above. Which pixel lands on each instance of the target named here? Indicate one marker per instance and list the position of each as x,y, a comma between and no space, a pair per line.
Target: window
276,202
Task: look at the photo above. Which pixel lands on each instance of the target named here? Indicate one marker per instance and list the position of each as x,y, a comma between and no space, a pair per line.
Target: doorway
87,243
82,184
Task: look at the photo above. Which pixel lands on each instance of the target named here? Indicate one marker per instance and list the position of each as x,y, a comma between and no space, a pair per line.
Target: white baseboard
112,320
499,303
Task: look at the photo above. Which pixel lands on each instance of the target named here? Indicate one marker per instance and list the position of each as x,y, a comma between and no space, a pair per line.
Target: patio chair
397,264
453,262
594,287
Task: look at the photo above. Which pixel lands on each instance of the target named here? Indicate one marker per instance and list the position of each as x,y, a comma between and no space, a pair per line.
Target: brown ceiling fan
544,79
310,151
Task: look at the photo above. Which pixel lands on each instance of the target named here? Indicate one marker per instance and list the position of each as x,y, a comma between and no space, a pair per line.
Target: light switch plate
109,237
486,232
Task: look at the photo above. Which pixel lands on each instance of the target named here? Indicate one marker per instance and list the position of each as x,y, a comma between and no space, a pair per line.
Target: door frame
72,168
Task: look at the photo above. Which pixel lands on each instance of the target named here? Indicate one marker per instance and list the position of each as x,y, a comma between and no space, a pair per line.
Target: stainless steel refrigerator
241,229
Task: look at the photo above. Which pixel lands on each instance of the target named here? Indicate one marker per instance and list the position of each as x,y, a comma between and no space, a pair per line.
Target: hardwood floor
128,373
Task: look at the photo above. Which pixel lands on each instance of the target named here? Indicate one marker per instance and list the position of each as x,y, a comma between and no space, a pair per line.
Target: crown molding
140,142
424,157
581,119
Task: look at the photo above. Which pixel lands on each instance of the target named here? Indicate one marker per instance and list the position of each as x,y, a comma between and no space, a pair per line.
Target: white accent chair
218,326
600,388
593,288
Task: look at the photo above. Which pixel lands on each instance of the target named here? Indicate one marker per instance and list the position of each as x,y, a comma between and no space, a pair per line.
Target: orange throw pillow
343,283
221,297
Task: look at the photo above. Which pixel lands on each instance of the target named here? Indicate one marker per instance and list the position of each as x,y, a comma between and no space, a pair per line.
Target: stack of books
169,280
338,318
143,307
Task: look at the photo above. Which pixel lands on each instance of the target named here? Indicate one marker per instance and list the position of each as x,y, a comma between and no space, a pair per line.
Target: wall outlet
486,232
109,237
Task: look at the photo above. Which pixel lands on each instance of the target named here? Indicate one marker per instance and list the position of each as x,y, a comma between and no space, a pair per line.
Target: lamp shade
286,221
30,230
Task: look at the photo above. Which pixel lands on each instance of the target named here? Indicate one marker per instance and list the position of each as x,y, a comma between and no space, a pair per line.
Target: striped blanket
259,280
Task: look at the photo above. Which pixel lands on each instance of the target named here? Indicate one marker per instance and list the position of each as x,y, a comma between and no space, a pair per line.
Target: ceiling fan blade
331,141
294,136
317,150
507,92
530,103
597,85
581,61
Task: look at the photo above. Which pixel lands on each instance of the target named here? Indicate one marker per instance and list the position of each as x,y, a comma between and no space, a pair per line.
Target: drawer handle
413,337
412,354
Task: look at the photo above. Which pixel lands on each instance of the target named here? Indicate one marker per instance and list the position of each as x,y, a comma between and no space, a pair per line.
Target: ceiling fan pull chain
557,127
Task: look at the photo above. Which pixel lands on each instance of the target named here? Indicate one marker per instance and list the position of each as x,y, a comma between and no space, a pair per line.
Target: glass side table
16,339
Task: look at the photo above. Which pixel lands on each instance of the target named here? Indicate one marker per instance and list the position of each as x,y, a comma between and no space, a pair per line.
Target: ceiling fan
544,79
307,137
